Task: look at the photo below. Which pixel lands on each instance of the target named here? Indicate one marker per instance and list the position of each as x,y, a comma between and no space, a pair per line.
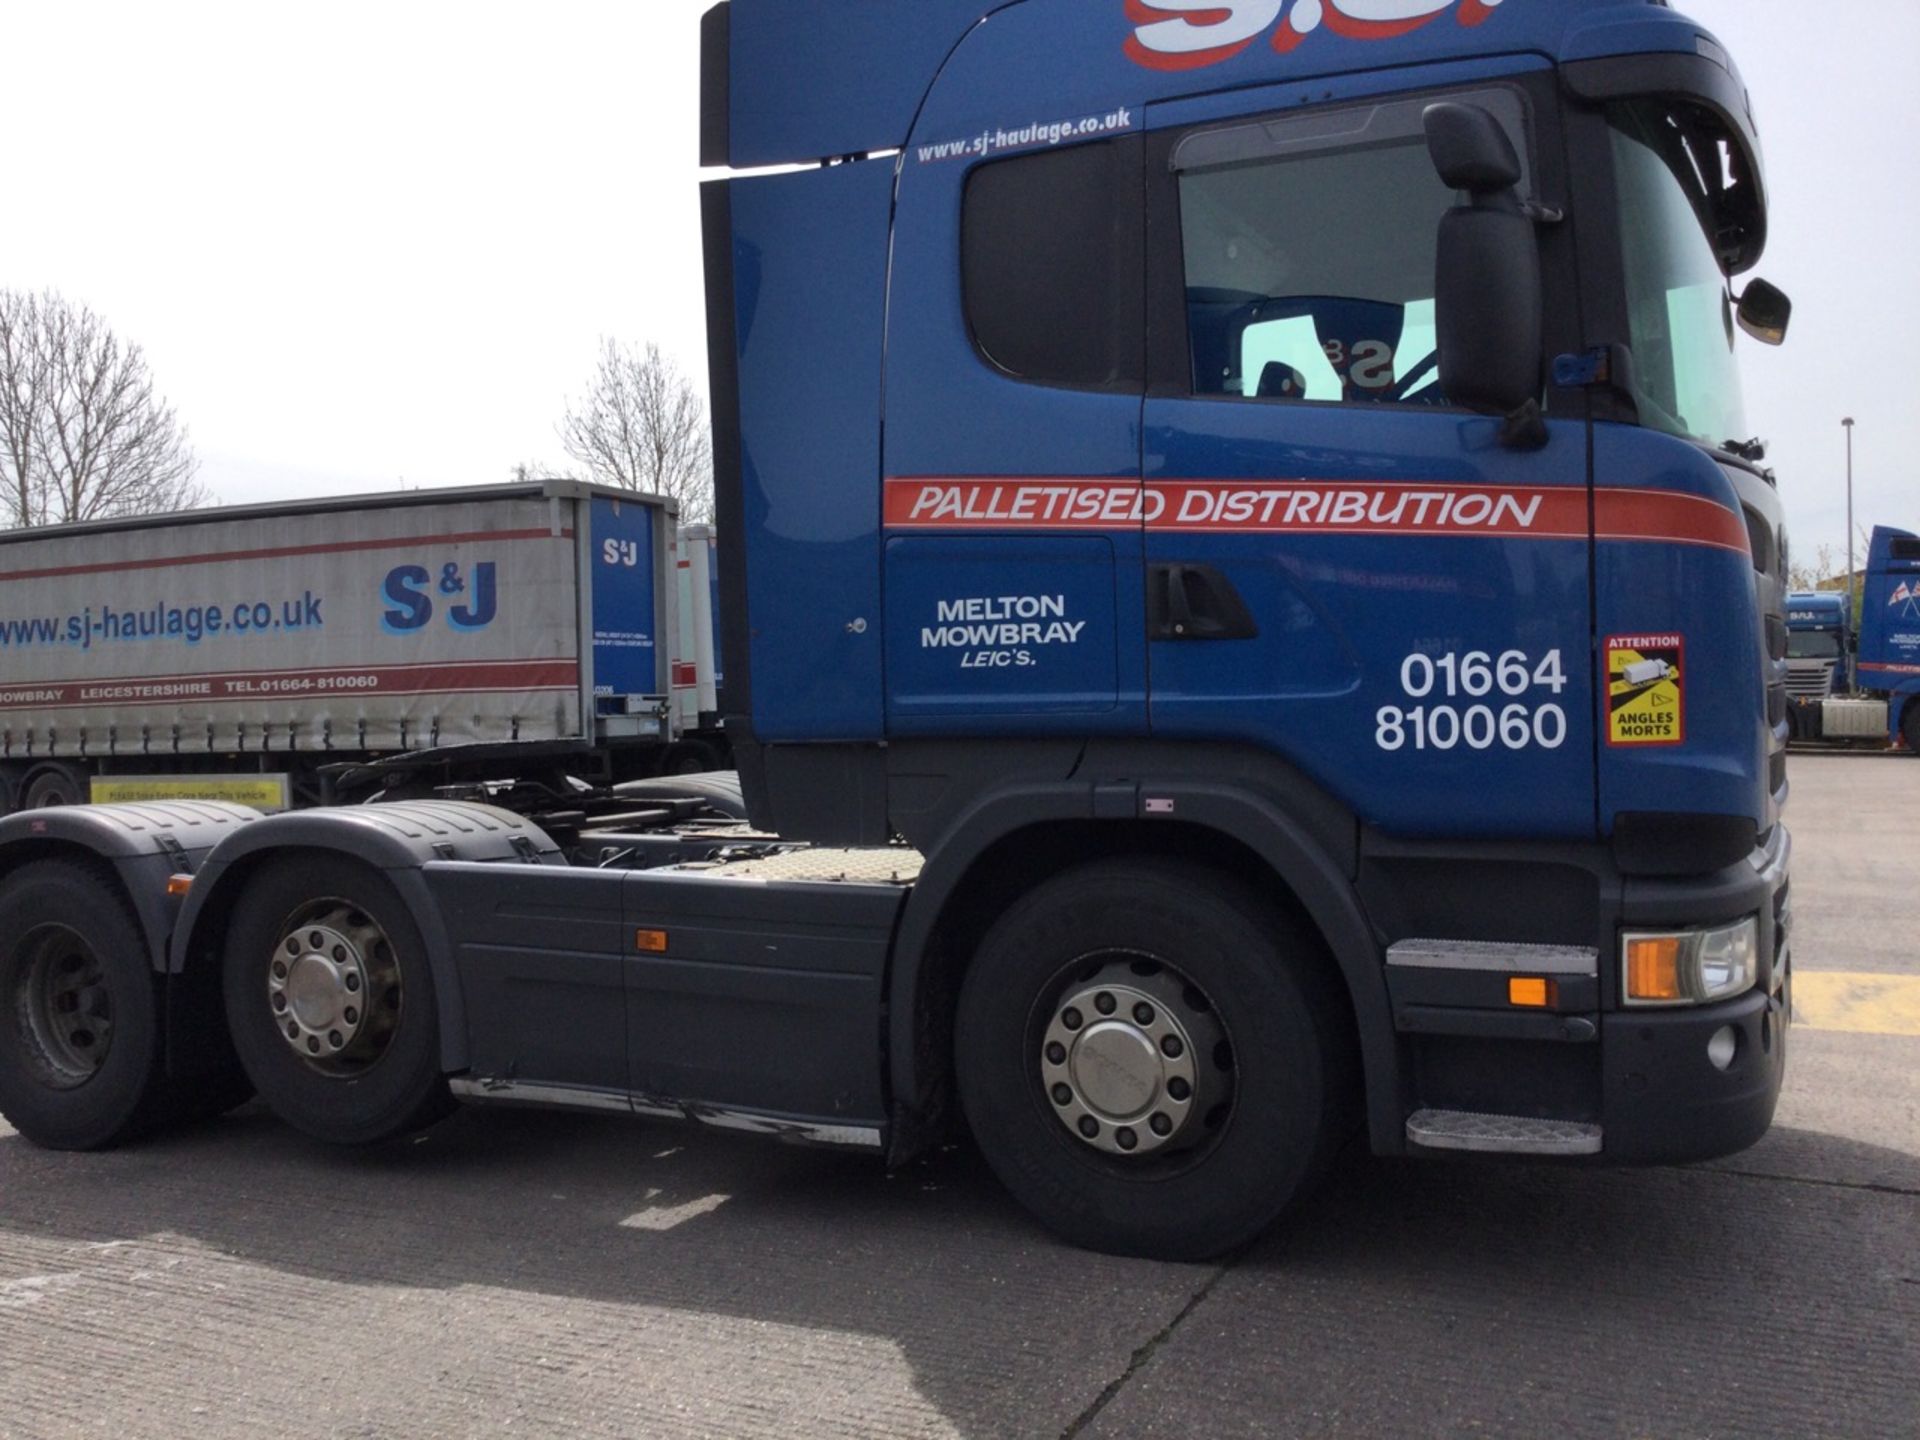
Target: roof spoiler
780,84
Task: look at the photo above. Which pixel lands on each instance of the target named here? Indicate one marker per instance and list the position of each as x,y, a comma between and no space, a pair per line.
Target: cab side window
1311,276
1053,261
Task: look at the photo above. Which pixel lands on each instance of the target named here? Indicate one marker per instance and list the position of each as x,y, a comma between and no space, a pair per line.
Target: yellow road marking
1860,1003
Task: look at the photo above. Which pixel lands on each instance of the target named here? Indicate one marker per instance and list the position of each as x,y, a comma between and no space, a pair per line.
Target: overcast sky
373,243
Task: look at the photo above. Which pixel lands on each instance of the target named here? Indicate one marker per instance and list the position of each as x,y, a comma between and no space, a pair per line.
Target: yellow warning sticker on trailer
262,792
1646,690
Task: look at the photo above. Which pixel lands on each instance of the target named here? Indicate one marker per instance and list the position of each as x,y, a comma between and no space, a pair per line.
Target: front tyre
80,1045
330,1001
1153,1060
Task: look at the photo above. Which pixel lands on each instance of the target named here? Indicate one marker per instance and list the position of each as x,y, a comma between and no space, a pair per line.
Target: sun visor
1704,81
786,82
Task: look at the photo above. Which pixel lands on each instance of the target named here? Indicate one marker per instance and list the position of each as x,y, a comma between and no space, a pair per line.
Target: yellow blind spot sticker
1646,690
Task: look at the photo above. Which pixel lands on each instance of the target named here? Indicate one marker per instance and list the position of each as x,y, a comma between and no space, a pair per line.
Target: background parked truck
244,653
1860,686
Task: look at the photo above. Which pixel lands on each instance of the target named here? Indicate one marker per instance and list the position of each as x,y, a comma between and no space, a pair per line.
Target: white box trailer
232,653
697,673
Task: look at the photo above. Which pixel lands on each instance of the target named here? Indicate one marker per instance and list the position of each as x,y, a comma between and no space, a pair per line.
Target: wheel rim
1133,1060
333,988
63,1006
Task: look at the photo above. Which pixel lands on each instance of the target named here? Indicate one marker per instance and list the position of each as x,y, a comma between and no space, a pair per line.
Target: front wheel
1153,1060
330,1001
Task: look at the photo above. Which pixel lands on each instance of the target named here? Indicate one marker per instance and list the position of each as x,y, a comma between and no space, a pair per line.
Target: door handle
1195,602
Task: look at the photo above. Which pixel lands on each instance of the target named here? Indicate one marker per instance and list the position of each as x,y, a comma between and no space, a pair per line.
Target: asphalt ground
567,1275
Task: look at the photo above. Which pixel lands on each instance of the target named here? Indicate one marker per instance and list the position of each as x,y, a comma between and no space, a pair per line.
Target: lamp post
1847,425
1847,659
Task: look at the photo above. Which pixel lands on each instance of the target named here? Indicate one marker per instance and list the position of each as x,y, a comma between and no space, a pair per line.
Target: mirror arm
1525,428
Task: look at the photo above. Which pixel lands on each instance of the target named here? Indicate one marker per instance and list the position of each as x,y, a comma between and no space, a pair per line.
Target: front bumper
1662,1096
1665,1100
1635,1086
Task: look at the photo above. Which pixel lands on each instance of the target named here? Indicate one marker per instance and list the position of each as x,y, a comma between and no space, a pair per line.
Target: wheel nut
293,945
333,1039
340,954
1171,1047
279,1004
1056,1052
1143,1013
1062,1095
279,969
1089,1126
1160,1125
315,940
1071,1018
352,1017
352,982
293,1031
1125,1138
1105,1003
1178,1088
313,1044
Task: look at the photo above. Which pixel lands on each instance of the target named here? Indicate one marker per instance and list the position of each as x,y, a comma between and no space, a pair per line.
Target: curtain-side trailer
481,633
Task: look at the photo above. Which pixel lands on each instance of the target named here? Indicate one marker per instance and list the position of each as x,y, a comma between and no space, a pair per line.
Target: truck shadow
1005,1331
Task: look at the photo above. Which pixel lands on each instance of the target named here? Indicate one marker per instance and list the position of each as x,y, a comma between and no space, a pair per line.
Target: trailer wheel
1154,1061
330,1002
51,786
80,1046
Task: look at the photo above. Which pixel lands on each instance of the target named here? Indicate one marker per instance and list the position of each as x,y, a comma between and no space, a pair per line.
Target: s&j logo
1192,34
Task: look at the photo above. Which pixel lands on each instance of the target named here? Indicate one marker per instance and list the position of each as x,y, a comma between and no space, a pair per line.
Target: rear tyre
55,785
1153,1060
80,1044
330,1002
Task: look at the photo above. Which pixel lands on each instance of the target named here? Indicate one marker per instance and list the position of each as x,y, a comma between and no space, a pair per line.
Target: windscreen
1813,645
1679,311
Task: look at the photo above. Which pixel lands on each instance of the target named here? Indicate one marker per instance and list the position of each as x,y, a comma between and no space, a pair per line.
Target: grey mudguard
398,840
144,843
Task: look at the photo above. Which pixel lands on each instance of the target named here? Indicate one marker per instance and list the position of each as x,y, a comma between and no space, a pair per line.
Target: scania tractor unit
1252,622
1820,647
1860,687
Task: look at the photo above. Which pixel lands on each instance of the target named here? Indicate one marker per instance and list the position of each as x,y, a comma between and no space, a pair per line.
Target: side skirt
793,1129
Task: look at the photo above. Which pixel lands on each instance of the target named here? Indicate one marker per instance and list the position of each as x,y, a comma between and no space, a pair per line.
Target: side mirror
1765,312
1489,311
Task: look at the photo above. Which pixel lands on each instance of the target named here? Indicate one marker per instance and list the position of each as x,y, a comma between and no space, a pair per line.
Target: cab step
1501,1134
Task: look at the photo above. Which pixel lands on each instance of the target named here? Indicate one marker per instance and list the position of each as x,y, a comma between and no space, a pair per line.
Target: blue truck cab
1294,443
1887,667
1820,649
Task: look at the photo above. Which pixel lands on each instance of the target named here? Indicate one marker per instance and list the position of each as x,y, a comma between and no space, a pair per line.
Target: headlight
1690,967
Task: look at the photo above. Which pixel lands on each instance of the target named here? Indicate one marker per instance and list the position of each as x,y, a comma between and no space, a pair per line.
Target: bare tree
642,426
83,435
522,471
1802,575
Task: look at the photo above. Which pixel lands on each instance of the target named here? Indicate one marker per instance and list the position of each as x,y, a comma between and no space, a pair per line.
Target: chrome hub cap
1134,1061
333,988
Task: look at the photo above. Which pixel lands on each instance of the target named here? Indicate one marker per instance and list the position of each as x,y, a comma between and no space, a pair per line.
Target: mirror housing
1765,312
1488,308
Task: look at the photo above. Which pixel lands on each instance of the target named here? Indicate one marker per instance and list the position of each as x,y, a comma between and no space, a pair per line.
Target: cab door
1342,566
1013,563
